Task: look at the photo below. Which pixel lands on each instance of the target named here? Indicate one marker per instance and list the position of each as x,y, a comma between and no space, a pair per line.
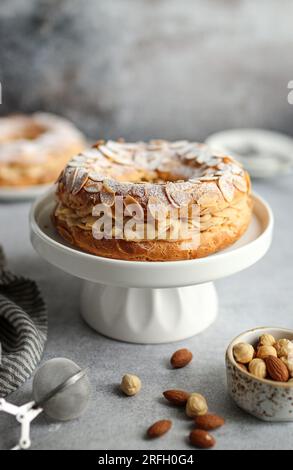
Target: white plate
8,194
264,154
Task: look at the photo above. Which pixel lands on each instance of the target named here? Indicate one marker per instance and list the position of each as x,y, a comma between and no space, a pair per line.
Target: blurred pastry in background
34,148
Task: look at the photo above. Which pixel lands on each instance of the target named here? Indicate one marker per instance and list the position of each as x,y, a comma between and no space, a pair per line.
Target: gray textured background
146,68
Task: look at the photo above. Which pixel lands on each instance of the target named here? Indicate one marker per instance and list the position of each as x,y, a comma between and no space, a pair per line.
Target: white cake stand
149,302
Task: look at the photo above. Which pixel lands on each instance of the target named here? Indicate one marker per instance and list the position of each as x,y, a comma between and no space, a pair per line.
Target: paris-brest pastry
34,148
155,180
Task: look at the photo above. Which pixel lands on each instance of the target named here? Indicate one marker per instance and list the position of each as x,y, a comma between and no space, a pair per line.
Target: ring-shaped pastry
35,148
159,177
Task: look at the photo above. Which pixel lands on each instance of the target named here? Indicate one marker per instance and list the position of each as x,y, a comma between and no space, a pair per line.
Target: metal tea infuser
61,390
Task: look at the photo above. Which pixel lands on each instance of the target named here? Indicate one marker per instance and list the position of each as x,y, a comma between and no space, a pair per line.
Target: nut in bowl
263,388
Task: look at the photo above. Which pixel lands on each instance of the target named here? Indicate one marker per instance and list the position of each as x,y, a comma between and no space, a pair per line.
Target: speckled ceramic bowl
265,399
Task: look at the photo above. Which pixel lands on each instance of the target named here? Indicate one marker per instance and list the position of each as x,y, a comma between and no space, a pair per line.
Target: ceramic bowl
265,399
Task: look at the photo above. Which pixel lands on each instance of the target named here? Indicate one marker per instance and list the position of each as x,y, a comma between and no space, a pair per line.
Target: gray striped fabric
23,328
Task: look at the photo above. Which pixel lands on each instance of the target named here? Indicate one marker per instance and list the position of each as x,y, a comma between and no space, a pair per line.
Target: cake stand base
145,315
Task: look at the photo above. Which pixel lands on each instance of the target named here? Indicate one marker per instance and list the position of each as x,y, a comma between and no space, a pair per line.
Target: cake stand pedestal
145,302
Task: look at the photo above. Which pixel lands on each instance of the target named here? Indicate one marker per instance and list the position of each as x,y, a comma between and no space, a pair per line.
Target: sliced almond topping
93,187
178,144
240,183
132,207
80,179
194,180
107,152
204,155
119,155
129,200
79,158
115,146
181,198
170,190
122,160
156,208
227,188
108,186
96,176
209,198
212,161
107,199
69,176
209,178
75,164
205,217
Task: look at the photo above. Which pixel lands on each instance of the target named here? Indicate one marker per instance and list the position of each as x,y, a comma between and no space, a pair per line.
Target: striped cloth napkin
23,329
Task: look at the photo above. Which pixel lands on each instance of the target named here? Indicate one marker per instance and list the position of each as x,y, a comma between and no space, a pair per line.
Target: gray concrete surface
262,295
149,68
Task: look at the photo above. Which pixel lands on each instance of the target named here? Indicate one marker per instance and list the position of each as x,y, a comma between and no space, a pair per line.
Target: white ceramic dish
265,399
264,153
10,194
149,302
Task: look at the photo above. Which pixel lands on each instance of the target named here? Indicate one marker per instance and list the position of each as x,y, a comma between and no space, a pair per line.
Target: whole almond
159,428
208,422
176,397
201,438
276,368
181,358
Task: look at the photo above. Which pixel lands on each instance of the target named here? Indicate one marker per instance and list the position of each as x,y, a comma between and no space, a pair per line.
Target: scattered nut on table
181,358
130,384
196,405
177,397
202,439
209,422
159,428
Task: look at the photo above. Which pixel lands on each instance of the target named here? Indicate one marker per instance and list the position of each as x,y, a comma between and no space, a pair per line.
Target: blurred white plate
9,194
263,153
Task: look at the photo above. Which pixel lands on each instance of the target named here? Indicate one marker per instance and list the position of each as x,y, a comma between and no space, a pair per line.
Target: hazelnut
266,340
265,351
130,384
243,352
288,361
258,368
283,347
196,405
